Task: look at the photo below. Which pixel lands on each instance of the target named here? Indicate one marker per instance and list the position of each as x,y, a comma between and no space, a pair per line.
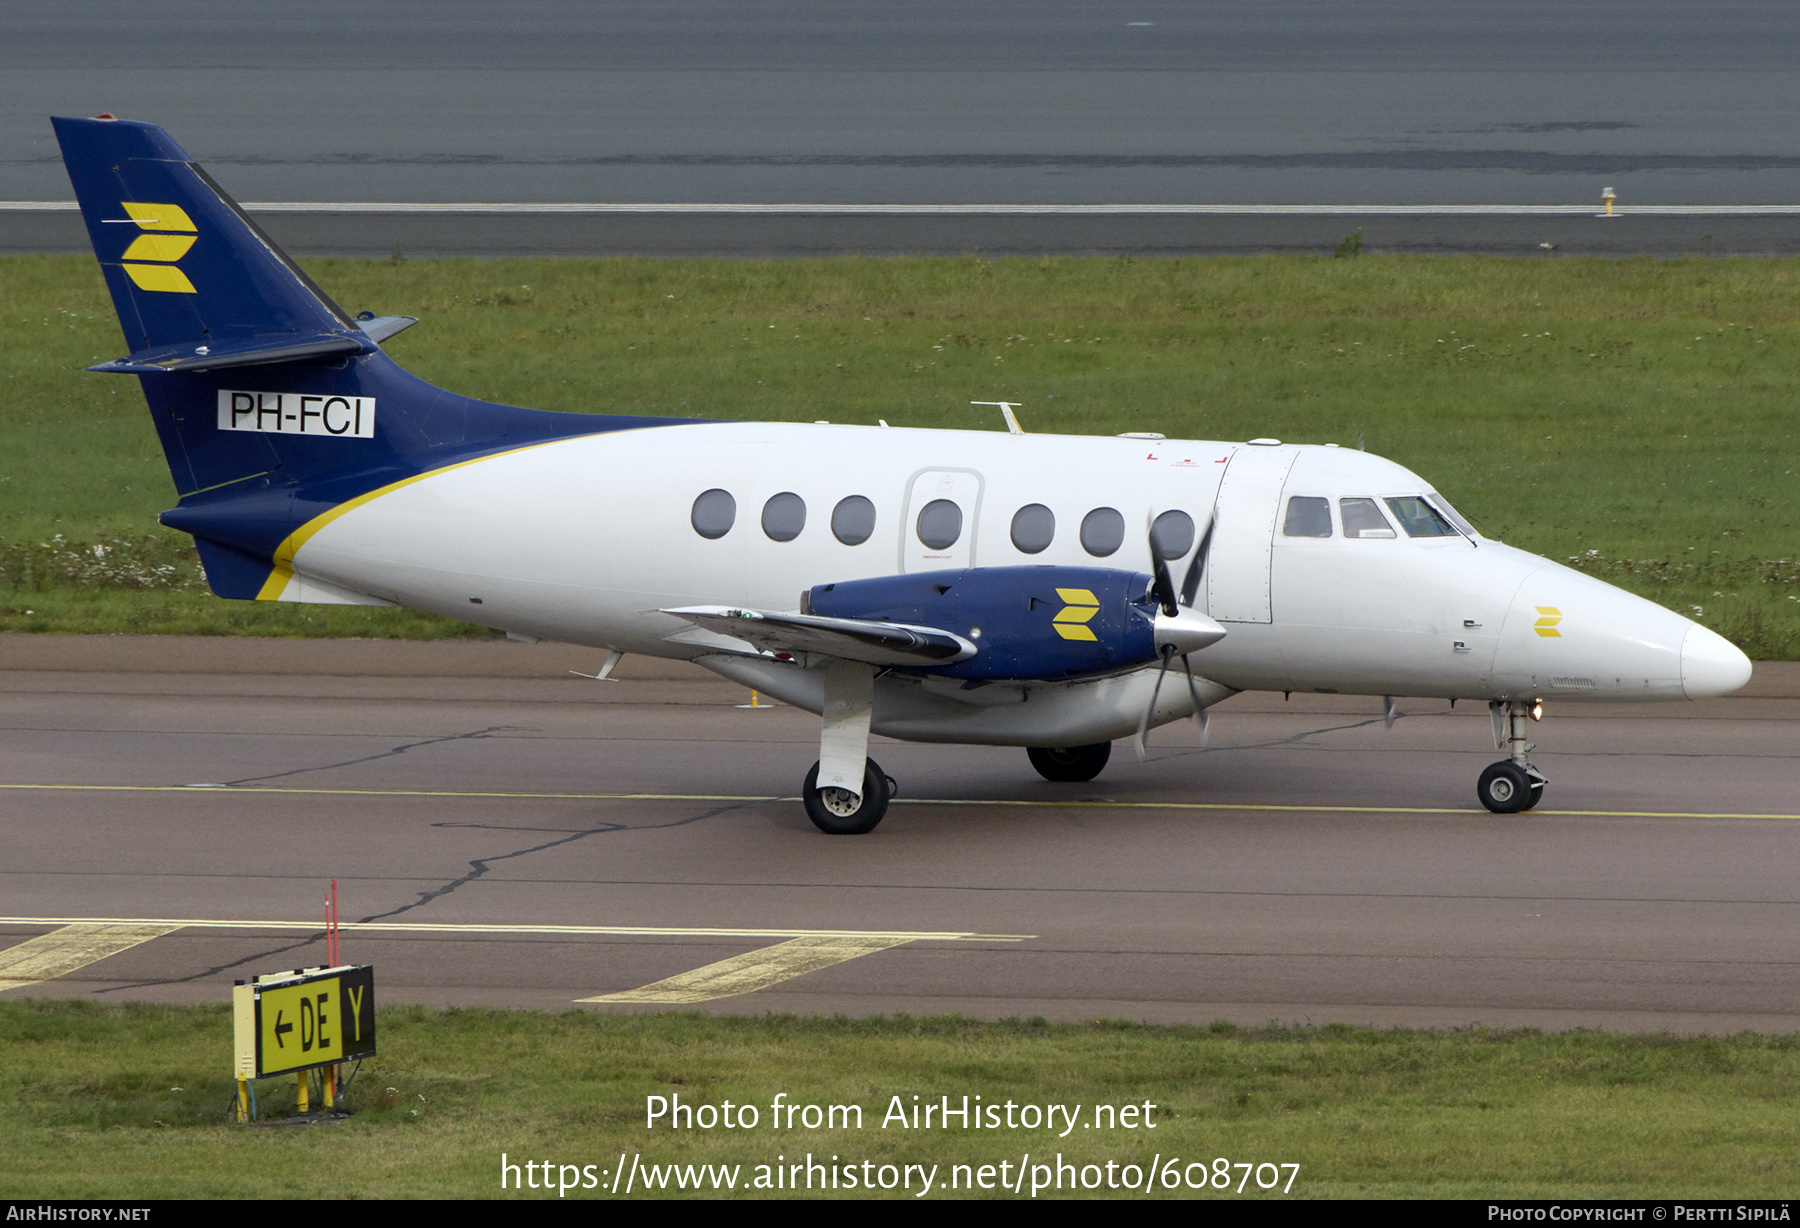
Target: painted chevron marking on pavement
756,970
72,947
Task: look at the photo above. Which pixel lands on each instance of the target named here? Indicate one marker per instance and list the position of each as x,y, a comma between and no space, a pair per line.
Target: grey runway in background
1307,101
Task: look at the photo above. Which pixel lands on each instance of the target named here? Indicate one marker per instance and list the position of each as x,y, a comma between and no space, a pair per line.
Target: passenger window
1307,516
1033,528
1419,518
714,513
1173,535
1102,532
784,515
853,520
940,524
1363,519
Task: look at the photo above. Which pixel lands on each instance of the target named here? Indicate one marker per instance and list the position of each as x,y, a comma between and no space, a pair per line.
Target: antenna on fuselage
1006,407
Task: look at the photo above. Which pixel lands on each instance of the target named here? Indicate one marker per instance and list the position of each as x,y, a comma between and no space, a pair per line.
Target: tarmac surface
505,833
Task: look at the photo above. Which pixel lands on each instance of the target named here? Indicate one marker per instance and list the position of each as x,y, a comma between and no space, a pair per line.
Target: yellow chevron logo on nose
1546,623
1070,621
165,248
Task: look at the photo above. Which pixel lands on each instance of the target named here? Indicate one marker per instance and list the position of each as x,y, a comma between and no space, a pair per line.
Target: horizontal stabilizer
850,639
248,352
380,328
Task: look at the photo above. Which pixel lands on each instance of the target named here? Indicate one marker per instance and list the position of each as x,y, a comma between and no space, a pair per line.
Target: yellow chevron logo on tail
170,232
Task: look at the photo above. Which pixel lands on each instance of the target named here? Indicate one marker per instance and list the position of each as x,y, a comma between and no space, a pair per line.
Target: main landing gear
1072,764
839,812
846,793
1511,785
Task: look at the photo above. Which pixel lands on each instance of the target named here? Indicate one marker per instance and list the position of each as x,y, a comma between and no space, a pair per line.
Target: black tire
1069,764
1507,788
829,815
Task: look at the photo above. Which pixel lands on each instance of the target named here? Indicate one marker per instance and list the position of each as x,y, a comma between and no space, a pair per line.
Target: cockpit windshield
1443,505
1419,518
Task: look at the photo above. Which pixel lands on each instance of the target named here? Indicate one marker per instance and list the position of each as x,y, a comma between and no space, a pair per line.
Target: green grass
130,1101
1634,416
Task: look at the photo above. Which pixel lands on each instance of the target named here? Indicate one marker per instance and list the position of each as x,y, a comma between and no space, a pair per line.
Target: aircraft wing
851,639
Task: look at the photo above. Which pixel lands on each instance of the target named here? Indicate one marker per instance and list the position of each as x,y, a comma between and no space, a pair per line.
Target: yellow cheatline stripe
913,801
170,924
743,974
76,945
284,553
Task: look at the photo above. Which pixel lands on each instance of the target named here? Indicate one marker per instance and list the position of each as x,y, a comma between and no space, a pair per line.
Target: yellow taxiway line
80,941
908,801
170,924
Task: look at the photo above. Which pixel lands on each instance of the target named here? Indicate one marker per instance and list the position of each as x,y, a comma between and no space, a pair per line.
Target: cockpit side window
1307,516
1362,518
1419,518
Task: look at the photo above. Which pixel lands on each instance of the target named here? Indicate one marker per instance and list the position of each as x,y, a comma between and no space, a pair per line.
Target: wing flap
851,639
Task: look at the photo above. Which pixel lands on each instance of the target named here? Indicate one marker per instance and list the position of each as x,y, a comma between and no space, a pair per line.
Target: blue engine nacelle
1027,622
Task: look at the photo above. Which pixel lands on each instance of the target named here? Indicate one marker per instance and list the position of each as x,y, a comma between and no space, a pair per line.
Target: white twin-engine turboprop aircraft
1049,592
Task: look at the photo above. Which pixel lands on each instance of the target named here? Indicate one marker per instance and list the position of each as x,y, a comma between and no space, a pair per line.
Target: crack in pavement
319,936
386,754
479,867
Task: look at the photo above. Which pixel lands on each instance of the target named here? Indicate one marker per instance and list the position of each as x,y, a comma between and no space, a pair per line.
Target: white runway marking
802,208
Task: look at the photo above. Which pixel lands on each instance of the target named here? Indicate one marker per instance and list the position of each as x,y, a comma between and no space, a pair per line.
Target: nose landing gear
1513,784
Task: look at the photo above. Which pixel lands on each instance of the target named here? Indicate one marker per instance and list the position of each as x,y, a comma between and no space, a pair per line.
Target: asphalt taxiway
503,832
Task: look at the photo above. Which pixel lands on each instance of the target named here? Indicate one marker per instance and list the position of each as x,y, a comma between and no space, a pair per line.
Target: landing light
1537,709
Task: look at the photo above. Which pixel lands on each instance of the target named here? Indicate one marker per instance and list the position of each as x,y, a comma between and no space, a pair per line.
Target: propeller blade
1190,583
1144,721
1388,712
1164,587
1201,717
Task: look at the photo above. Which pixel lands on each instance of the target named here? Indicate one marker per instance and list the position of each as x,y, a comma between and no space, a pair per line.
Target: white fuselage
584,540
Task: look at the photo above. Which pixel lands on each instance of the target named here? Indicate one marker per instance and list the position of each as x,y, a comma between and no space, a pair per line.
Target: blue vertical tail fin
186,267
273,405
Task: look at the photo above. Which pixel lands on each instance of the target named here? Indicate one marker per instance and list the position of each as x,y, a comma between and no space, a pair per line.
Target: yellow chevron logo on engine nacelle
159,245
1071,621
1545,626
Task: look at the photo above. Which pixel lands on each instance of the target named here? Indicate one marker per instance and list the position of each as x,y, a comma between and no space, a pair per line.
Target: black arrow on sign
281,1027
